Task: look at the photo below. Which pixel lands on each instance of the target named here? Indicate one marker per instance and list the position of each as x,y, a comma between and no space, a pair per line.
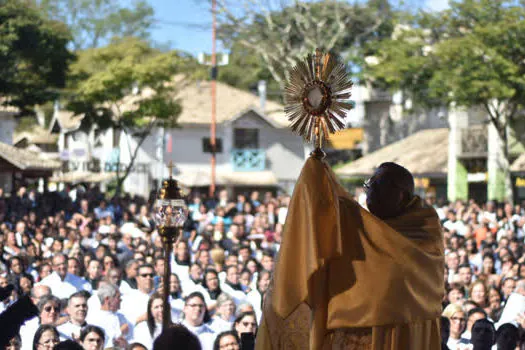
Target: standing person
256,296
147,331
130,281
212,288
134,303
49,313
117,329
196,318
334,253
245,323
77,309
62,283
224,314
457,318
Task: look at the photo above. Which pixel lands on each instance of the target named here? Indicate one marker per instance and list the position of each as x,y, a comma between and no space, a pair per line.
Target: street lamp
169,217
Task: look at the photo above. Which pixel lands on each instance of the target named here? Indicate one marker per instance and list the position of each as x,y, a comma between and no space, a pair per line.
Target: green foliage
245,70
272,40
33,54
104,79
95,22
26,123
470,55
128,86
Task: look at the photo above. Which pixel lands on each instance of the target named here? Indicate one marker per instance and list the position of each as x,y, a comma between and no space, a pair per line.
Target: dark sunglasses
49,308
150,275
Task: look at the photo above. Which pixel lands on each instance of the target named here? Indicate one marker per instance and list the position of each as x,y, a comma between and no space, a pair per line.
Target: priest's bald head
389,190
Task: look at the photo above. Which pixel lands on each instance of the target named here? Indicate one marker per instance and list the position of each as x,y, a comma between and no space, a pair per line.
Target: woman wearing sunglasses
49,313
246,322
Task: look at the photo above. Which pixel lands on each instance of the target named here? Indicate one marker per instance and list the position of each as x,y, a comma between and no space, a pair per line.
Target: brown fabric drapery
340,267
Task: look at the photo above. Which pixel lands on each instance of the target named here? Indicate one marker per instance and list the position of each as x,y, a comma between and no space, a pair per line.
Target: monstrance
317,98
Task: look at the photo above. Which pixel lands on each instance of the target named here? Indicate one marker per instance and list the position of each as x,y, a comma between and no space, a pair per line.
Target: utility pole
213,98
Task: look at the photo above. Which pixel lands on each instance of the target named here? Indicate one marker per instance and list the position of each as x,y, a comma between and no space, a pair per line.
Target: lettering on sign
97,167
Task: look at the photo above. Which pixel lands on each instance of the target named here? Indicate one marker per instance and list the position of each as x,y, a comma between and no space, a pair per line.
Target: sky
186,24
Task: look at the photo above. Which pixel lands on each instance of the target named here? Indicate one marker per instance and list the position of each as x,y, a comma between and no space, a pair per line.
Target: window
246,138
206,145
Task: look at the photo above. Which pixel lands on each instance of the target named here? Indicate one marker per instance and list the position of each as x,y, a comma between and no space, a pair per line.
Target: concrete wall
7,127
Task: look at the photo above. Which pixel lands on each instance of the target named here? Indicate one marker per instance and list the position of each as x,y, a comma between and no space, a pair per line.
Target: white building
258,149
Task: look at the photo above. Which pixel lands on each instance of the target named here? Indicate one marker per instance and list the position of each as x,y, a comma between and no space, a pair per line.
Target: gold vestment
345,279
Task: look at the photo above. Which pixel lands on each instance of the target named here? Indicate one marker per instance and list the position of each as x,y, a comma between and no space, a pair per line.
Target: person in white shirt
231,285
135,302
49,312
196,317
37,293
147,331
180,260
77,310
130,281
256,296
193,280
117,328
225,314
62,283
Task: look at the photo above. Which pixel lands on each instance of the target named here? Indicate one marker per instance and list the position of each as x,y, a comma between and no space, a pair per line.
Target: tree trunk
121,179
505,164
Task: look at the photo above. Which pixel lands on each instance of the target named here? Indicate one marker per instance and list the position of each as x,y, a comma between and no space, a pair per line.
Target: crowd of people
93,266
484,274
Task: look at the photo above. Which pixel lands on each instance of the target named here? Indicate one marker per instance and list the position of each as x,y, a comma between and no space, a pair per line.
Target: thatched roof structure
36,135
24,159
423,153
74,177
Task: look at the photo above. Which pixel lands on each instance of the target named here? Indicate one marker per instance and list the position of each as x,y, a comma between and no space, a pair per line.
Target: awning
423,153
345,139
202,177
74,177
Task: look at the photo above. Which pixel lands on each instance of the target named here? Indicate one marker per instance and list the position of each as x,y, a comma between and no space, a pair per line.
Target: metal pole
213,99
166,312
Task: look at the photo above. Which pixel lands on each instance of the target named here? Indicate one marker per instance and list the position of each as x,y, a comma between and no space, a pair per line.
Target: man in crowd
135,302
62,283
77,310
117,328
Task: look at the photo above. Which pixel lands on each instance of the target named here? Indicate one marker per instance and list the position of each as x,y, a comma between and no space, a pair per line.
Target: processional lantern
169,216
317,98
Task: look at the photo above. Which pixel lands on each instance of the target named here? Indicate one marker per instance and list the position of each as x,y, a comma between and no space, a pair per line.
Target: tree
33,54
102,84
95,22
470,55
281,36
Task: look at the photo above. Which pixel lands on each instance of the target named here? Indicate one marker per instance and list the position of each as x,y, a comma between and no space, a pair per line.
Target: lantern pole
170,204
